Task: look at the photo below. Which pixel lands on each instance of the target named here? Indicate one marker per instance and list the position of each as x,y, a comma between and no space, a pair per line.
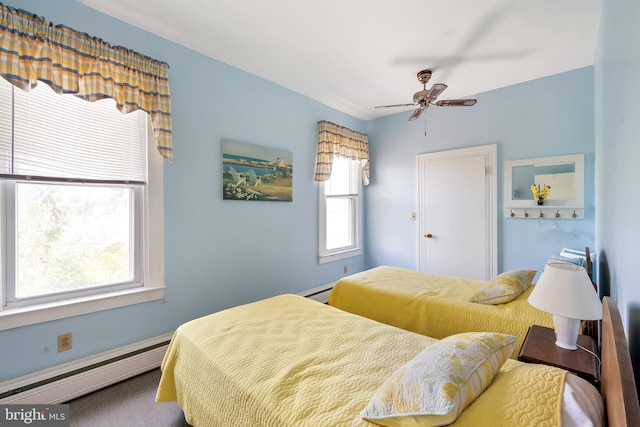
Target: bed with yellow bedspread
433,305
290,361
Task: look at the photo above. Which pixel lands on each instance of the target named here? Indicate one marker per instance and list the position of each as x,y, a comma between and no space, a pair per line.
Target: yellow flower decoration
540,194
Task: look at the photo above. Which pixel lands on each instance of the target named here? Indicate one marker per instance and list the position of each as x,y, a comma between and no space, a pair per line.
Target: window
80,206
340,213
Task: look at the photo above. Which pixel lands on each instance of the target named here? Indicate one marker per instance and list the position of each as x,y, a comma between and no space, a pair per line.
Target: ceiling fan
427,97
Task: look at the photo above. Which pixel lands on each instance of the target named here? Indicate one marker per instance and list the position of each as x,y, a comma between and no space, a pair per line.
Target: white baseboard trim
73,379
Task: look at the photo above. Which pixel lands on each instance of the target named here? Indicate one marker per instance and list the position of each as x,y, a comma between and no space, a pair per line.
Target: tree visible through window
71,237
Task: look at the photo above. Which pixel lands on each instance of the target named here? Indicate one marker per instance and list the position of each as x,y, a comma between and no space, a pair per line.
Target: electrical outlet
345,269
64,342
413,216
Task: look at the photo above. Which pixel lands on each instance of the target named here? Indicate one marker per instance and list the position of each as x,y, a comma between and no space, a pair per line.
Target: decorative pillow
504,287
435,387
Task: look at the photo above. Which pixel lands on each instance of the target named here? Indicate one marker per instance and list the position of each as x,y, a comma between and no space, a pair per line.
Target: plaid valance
334,140
32,49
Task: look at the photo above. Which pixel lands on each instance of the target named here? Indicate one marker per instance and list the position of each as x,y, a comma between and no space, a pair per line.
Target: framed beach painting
255,172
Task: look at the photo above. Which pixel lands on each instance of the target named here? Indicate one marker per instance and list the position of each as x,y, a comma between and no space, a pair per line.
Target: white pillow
434,387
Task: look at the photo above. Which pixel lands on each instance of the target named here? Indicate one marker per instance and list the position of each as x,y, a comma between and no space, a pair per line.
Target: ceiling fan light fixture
419,96
425,97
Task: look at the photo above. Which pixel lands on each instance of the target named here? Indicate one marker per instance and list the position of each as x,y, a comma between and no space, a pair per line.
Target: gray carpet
130,403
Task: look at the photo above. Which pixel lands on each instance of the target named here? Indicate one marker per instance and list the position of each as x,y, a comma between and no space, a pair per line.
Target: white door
457,212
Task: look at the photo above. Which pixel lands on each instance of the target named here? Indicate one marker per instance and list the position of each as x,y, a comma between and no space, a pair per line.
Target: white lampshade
566,291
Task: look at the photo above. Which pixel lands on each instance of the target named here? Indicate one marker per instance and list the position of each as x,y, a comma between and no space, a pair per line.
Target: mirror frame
561,209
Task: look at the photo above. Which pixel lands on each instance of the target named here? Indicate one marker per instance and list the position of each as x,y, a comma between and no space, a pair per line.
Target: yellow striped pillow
504,287
433,388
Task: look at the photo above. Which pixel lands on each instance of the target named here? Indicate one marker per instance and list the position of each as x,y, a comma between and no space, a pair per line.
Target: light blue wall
218,253
617,103
546,117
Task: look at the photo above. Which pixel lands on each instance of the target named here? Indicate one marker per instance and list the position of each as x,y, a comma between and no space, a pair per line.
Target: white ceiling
355,54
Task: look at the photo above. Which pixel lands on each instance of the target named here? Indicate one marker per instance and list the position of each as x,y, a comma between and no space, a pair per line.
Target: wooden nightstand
539,347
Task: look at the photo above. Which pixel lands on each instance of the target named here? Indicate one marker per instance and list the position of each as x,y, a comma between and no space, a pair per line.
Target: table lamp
565,291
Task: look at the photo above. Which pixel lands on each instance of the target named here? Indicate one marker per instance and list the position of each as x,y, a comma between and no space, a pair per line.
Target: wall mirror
563,174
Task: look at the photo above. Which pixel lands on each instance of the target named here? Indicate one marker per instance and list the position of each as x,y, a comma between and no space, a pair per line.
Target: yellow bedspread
289,361
432,305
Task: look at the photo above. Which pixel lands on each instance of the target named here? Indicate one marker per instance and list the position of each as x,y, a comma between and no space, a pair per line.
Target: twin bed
291,361
439,306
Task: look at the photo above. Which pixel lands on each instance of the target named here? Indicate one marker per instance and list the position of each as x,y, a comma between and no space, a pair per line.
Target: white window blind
79,144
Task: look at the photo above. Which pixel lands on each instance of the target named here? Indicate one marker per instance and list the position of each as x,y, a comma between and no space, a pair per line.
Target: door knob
428,236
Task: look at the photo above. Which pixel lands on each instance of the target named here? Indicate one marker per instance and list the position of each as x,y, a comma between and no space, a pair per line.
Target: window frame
150,216
328,255
8,191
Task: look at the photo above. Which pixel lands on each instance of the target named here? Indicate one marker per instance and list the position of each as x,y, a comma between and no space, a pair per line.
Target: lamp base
566,332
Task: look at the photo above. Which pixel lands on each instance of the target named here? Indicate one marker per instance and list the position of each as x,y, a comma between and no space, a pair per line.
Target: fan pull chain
425,125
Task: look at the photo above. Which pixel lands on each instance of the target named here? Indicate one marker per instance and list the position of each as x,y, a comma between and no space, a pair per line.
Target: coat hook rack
543,212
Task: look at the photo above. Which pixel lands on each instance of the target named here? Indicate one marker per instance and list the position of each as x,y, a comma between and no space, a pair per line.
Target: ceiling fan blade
416,114
456,103
436,90
395,105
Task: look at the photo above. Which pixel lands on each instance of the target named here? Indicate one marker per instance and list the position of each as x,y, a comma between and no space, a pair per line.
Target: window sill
322,259
24,316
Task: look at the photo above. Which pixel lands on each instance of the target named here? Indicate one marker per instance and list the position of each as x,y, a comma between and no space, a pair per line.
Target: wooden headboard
618,383
590,327
589,263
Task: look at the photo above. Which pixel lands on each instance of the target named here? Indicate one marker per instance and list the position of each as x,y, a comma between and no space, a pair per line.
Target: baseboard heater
73,379
319,293
79,377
